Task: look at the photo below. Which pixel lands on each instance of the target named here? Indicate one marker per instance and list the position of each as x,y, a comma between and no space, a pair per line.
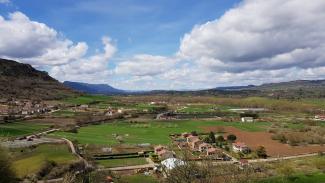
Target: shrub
46,169
220,138
231,137
261,152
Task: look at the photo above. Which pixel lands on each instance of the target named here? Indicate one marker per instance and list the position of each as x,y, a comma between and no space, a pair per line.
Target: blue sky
167,44
138,26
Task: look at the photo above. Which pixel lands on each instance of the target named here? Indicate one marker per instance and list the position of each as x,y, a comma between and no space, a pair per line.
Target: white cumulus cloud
260,35
36,43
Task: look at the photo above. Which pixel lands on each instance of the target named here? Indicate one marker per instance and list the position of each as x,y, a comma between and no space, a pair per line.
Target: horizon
167,45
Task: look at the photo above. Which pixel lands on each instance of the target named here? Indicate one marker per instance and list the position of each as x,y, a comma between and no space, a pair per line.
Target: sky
167,44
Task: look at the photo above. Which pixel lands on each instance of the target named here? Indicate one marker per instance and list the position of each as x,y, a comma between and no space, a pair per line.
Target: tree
194,133
231,137
206,172
220,138
206,139
212,137
261,152
6,172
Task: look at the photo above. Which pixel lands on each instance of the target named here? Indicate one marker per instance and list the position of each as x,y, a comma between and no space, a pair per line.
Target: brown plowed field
273,148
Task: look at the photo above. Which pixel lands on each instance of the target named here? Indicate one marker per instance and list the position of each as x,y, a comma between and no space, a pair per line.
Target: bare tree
208,172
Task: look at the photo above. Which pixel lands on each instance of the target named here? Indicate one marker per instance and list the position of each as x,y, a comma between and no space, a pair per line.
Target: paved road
74,151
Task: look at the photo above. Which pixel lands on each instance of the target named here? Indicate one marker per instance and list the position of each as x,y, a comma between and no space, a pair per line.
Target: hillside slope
22,81
93,88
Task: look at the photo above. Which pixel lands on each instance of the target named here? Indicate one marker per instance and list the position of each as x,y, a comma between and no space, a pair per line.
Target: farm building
214,152
195,144
247,119
205,146
191,138
165,154
320,117
159,148
240,147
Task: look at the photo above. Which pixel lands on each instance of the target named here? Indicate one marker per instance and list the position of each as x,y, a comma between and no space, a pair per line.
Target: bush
194,133
46,169
261,152
6,173
231,137
220,138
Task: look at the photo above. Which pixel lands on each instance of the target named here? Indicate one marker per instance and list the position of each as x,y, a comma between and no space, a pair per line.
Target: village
151,139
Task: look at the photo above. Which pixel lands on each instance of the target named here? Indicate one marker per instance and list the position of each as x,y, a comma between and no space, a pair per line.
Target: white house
240,147
247,119
171,163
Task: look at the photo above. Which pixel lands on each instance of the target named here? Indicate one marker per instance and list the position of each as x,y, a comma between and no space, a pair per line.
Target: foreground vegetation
31,160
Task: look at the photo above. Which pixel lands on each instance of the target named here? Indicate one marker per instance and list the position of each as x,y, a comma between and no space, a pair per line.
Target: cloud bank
255,42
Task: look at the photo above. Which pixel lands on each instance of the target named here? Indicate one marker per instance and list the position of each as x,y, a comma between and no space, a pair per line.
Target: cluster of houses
196,144
111,112
21,108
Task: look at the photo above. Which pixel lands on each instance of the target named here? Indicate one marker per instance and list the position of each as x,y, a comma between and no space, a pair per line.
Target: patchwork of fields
152,132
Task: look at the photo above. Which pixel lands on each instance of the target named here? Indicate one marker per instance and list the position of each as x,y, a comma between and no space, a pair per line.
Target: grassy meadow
151,132
27,161
20,128
139,179
298,178
86,99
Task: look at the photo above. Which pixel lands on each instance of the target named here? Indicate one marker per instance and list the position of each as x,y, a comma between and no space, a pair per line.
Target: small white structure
247,119
172,163
240,147
120,111
84,106
319,118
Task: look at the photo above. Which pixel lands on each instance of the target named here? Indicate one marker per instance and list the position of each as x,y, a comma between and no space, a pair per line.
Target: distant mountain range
94,88
291,89
22,81
19,80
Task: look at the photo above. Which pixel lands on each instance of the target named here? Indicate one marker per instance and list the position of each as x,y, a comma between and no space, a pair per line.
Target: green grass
20,128
139,179
87,99
122,162
31,161
153,132
299,178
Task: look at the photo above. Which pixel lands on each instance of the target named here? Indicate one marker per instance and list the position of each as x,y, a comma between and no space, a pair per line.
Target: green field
87,99
153,132
110,163
139,179
20,128
31,161
65,113
299,178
